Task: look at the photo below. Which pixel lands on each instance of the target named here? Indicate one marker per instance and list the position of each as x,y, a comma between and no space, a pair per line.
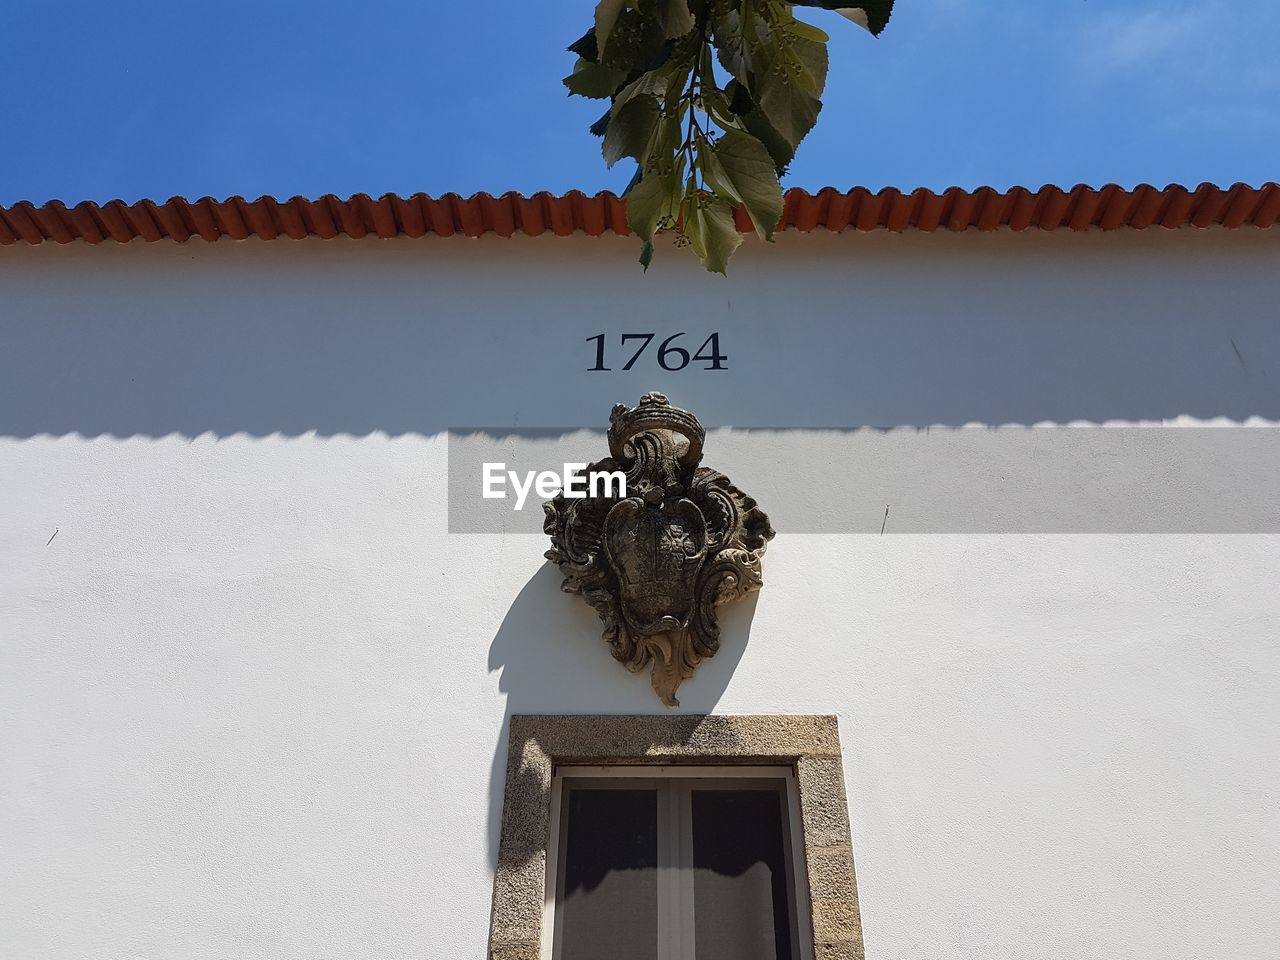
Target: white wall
252,692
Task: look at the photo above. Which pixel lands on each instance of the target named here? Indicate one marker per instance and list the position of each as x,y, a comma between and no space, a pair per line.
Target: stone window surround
810,744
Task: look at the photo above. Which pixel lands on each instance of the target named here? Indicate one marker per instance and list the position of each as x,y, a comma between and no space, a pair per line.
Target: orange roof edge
1050,208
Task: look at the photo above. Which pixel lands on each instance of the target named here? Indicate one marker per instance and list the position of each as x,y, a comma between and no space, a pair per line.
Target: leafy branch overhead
711,98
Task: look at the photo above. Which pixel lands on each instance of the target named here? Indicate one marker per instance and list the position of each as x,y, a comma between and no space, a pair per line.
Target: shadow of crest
552,660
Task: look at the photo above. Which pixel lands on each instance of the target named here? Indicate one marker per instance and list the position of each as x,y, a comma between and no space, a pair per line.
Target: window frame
674,784
536,743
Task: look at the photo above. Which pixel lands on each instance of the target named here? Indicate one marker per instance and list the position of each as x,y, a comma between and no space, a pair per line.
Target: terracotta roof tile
1050,208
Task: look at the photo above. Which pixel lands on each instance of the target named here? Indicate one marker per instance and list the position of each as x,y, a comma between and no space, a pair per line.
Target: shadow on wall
410,338
553,660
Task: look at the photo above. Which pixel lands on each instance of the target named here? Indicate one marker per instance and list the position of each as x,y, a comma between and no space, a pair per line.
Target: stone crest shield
656,562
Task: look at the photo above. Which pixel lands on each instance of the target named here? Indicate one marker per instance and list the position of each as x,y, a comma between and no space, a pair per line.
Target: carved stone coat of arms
656,562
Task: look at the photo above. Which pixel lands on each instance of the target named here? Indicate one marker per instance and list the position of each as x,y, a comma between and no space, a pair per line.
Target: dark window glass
742,909
609,905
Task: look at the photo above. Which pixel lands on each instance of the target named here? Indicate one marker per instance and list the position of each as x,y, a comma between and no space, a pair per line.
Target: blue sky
153,98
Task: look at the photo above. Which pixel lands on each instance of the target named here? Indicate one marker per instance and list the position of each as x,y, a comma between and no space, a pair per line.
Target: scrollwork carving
655,563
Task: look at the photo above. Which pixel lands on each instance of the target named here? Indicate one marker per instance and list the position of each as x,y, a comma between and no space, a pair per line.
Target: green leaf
716,102
806,31
675,18
630,130
712,232
790,109
872,15
757,124
714,173
667,137
736,47
650,84
585,45
813,58
593,80
635,42
640,54
749,169
732,54
647,201
607,12
780,151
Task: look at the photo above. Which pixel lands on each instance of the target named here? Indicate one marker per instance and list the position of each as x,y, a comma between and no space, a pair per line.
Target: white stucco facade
253,690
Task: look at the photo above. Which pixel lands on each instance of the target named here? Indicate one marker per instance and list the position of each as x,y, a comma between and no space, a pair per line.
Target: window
675,863
797,755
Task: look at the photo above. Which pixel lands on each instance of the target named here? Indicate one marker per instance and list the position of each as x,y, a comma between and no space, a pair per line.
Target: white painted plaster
253,693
